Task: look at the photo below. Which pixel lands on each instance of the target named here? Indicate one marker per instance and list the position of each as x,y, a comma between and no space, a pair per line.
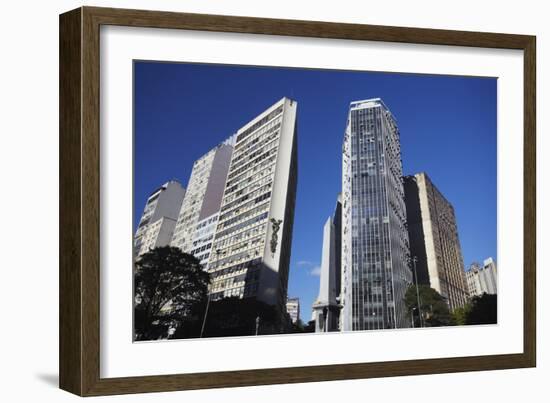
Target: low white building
293,309
159,217
482,279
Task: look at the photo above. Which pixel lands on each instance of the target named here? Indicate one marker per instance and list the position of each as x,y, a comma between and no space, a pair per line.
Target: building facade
327,307
293,309
375,245
159,217
202,237
197,219
433,235
251,249
482,279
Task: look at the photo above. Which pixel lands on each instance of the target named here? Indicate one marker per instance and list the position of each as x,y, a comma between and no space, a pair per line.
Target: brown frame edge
79,201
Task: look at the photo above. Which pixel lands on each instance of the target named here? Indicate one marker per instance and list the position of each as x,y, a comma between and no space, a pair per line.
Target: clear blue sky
447,125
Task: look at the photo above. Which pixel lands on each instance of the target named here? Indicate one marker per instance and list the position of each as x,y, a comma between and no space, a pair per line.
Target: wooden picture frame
79,347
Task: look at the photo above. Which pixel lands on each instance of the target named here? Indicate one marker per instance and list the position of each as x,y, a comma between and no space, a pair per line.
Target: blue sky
447,126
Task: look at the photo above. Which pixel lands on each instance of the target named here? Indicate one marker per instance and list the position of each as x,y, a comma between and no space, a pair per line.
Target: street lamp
412,316
205,312
216,253
414,259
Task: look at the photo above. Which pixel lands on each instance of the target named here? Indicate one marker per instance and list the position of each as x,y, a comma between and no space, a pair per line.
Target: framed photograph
248,201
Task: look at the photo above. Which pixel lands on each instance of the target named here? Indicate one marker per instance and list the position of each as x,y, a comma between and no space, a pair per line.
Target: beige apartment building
434,242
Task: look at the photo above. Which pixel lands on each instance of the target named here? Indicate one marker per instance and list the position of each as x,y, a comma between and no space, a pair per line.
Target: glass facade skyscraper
375,244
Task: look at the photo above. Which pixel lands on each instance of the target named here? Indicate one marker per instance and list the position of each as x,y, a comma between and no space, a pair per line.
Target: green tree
310,327
433,307
460,315
483,311
169,286
298,327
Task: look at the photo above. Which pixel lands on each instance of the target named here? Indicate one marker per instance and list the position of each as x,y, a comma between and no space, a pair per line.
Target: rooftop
369,103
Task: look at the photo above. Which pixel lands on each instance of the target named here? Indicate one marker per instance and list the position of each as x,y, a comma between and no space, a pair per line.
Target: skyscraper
482,280
198,216
375,245
433,235
158,220
251,250
327,308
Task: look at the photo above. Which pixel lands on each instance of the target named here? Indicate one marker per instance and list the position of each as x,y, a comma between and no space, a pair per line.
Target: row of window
257,176
258,124
250,265
238,219
268,133
244,224
239,204
241,236
241,212
237,258
261,161
201,249
252,158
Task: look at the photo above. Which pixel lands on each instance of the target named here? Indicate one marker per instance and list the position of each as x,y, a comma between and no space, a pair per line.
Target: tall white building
482,279
375,242
198,216
251,250
326,307
159,217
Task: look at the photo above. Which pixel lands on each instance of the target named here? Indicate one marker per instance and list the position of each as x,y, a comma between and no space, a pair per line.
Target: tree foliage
169,286
298,327
310,327
460,315
235,316
483,310
433,307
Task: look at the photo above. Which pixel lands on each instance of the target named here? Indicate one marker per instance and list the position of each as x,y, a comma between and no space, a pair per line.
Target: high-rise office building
158,220
375,245
433,235
251,250
327,307
293,309
198,216
482,279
